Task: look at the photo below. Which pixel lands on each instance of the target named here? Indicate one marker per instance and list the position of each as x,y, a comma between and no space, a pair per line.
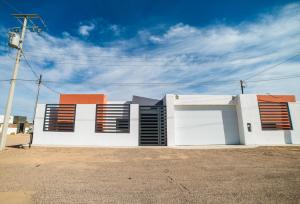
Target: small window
275,116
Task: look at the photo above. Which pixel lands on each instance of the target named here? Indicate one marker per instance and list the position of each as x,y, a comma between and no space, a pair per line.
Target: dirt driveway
150,175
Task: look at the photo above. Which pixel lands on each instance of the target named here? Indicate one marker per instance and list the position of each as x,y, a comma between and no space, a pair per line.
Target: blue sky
196,47
135,15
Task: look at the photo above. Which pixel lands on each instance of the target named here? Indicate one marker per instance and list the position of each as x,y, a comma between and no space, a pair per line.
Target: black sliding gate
153,126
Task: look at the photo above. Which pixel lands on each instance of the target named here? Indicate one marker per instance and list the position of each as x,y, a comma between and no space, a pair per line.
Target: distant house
17,124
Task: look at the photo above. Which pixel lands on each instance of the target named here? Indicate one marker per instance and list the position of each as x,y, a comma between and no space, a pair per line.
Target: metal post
37,96
35,106
242,86
12,88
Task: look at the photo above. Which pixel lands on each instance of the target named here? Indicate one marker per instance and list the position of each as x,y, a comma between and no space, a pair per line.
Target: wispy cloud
209,60
85,30
115,29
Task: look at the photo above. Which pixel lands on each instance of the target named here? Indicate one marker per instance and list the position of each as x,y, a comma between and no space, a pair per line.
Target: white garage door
203,125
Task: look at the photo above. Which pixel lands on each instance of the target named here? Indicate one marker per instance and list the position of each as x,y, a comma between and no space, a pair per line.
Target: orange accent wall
276,98
82,99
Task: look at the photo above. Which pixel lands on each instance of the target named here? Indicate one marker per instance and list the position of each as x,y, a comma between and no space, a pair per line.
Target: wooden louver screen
275,116
112,118
60,117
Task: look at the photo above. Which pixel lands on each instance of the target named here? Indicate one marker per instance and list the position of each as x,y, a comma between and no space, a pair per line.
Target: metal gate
153,126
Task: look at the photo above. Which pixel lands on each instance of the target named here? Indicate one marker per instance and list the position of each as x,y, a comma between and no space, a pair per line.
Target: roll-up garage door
204,125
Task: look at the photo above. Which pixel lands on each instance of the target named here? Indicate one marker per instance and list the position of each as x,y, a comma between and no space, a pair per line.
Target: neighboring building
17,124
11,119
91,120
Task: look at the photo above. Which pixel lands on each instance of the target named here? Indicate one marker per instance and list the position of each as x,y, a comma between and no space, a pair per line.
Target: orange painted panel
82,99
276,98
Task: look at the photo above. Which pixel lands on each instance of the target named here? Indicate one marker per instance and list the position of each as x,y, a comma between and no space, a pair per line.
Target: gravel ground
150,175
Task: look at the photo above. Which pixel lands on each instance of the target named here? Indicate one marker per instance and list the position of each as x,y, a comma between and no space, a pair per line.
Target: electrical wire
275,79
210,82
51,89
148,84
11,6
17,10
152,58
207,83
19,80
28,64
166,64
163,84
273,66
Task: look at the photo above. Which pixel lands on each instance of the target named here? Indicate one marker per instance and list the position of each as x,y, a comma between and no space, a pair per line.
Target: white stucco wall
248,112
84,134
203,99
201,119
169,100
226,113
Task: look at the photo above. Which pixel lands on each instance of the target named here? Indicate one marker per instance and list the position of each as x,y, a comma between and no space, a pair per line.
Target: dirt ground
149,175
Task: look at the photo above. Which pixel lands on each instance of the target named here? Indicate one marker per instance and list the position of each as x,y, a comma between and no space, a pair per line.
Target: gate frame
159,125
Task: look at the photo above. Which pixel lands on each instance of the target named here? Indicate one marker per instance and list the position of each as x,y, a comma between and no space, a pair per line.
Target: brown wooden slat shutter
275,116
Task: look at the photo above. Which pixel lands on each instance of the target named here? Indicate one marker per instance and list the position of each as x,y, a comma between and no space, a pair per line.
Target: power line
18,79
166,84
274,66
207,83
11,6
36,75
30,67
16,10
146,84
165,63
275,79
51,89
210,82
123,59
154,58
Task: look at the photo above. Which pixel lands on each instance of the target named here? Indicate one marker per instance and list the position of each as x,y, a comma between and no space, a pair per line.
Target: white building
11,119
16,124
176,120
11,128
204,120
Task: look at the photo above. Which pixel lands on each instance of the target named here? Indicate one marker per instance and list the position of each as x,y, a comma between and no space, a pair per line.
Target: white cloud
183,54
85,30
115,29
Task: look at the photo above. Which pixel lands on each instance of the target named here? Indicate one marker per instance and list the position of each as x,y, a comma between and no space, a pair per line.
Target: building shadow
18,141
17,146
230,125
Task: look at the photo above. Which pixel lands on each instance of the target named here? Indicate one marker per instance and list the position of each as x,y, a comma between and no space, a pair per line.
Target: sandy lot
150,175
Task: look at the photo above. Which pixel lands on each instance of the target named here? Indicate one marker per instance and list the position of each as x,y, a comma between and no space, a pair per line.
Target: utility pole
34,111
37,96
242,86
9,103
12,87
